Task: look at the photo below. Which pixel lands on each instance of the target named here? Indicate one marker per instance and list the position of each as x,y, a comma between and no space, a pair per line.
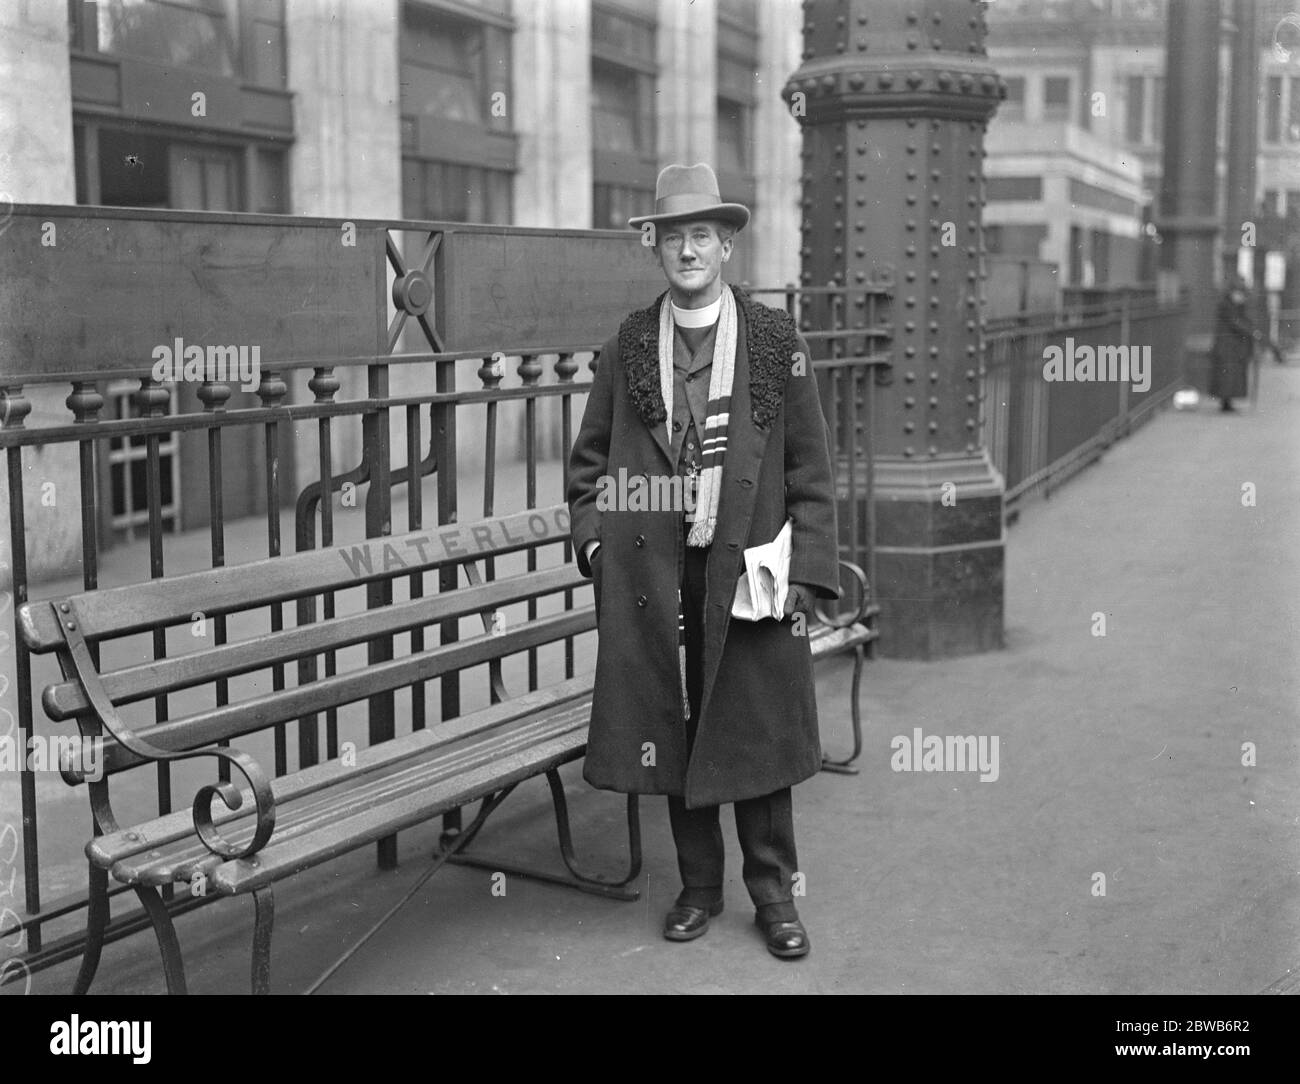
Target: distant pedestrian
1235,336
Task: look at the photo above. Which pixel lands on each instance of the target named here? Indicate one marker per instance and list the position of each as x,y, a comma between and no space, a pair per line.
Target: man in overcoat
1235,336
713,393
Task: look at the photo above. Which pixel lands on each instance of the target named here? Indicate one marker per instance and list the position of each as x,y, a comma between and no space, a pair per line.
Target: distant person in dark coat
1235,336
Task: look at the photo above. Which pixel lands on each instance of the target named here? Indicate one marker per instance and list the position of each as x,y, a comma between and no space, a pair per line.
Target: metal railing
299,410
848,333
1040,431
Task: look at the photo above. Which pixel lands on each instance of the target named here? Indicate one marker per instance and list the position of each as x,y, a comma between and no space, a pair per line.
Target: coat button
641,600
640,540
746,482
733,545
677,427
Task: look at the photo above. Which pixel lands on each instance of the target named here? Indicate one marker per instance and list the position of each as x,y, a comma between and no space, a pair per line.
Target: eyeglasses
699,239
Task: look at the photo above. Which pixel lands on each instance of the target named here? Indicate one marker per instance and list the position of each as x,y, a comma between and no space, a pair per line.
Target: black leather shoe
686,923
787,940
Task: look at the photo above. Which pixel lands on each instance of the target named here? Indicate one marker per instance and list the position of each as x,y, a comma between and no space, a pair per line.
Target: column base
939,556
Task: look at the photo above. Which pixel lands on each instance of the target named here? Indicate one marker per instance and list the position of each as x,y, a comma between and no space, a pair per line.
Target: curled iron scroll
840,621
71,624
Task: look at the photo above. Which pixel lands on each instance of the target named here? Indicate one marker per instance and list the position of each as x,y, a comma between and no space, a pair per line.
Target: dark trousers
765,825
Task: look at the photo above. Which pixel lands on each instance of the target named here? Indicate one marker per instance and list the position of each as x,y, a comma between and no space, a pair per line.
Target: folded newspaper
761,591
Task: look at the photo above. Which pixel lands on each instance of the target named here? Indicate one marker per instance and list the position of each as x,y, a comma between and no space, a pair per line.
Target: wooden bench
269,829
837,634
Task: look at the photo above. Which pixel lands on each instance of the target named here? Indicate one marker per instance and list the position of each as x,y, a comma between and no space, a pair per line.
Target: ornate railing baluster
152,401
271,390
14,408
214,394
566,368
490,372
323,385
415,520
530,372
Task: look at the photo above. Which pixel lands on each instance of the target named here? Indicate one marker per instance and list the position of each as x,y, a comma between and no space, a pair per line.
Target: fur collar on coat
770,340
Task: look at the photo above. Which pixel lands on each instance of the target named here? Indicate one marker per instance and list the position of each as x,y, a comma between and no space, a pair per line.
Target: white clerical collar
705,317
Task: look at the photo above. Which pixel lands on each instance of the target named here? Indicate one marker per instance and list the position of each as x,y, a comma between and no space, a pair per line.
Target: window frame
1053,110
619,175
1274,108
1013,107
487,147
249,15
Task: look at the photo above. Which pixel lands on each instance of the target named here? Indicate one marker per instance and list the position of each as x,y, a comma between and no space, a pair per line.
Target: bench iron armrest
841,621
83,667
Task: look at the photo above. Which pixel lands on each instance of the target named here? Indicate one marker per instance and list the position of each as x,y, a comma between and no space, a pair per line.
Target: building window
1158,109
733,137
1076,256
459,153
271,196
445,74
738,89
237,39
619,119
1014,106
615,204
623,132
1146,98
206,177
1056,97
1135,118
128,463
125,167
447,192
1273,110
133,148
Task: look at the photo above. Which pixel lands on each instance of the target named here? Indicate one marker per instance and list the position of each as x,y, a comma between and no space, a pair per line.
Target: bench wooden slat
351,795
118,611
274,863
64,700
162,831
256,713
180,861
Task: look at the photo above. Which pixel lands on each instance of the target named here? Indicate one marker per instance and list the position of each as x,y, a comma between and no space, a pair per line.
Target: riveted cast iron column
1239,205
1188,217
894,96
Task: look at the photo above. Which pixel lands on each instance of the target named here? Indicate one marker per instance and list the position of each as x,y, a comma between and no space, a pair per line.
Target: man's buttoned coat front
757,728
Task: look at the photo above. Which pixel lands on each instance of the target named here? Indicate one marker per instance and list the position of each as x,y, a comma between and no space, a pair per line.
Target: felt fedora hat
691,192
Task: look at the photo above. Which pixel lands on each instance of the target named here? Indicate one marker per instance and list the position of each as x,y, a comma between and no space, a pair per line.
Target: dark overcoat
1234,346
757,728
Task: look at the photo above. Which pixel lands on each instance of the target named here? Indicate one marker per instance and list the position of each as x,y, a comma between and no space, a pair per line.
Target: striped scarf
704,518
